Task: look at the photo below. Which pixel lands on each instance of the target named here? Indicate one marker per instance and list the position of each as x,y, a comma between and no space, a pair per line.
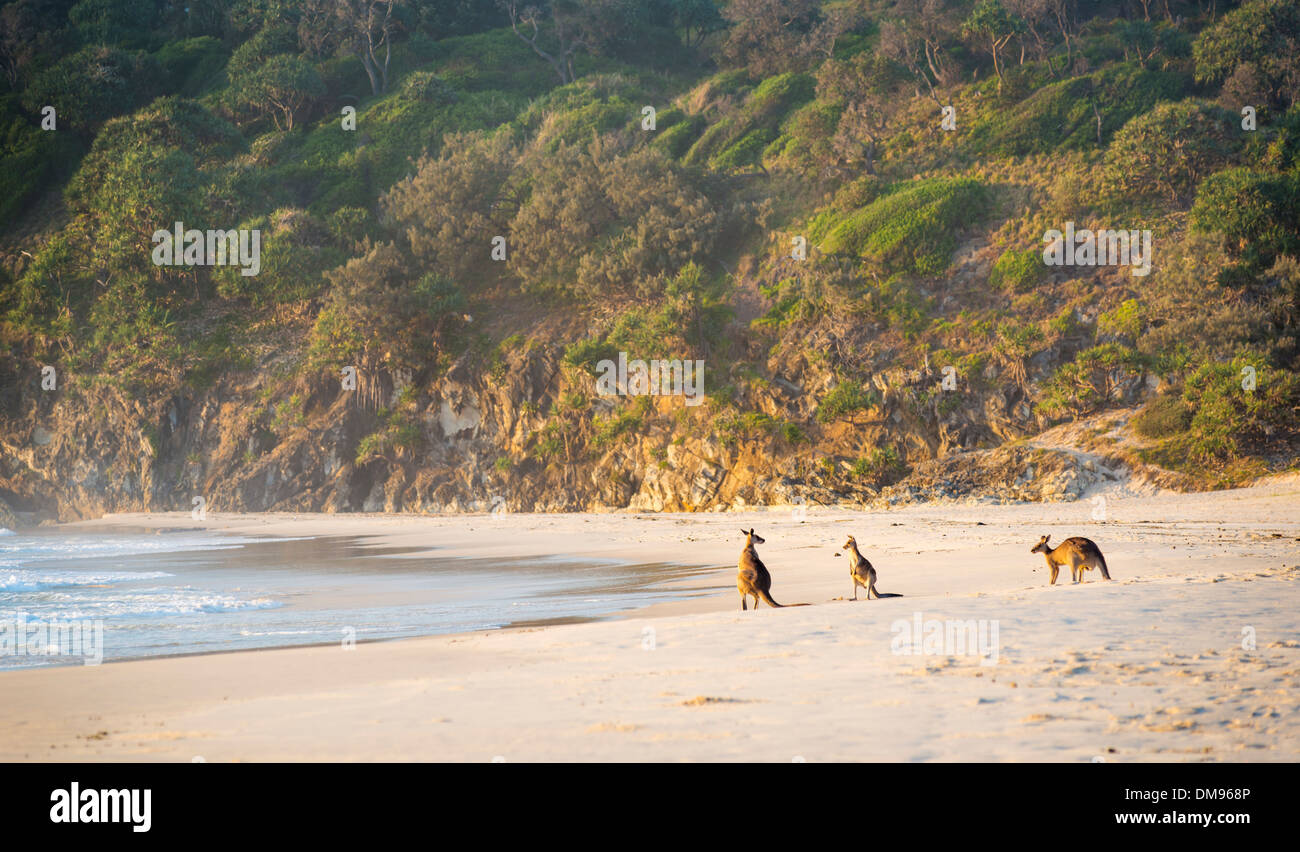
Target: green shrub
846,399
676,139
1258,214
792,434
1228,420
429,87
739,138
1091,380
1168,151
31,161
92,85
1163,417
1125,322
193,65
882,467
912,229
1061,116
296,251
1017,271
1260,35
746,151
399,433
608,430
586,354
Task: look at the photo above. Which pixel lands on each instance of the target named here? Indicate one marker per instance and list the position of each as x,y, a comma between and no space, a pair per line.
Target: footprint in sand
703,700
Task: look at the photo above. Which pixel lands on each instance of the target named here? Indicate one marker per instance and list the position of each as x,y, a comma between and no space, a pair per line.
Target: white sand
1150,666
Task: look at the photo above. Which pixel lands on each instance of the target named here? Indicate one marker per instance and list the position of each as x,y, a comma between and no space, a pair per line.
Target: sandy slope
1148,667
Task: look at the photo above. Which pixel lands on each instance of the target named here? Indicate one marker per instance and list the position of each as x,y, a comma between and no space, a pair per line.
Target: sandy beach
1191,653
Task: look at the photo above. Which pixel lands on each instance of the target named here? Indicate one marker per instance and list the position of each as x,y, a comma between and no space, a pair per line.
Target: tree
1036,15
1095,378
377,320
600,220
995,26
833,24
769,36
29,31
92,85
697,19
526,22
1257,213
1263,35
111,22
368,321
866,84
281,87
848,399
916,41
446,18
265,43
456,202
1169,150
366,29
145,190
1063,13
319,28
167,123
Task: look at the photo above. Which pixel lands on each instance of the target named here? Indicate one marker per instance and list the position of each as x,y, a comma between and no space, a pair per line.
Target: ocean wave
24,580
161,604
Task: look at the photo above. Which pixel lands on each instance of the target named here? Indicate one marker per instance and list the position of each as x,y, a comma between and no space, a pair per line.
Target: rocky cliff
508,435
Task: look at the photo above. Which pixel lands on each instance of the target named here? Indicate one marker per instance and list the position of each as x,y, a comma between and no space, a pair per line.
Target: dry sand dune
1191,653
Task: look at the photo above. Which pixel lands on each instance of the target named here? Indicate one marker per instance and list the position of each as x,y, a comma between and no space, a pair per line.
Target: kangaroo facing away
862,573
753,578
1081,554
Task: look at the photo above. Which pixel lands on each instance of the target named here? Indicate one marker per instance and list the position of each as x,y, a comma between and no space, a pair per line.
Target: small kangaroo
753,578
862,573
1081,554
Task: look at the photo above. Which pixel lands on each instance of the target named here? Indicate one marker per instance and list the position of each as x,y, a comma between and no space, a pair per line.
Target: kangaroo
862,573
753,578
1081,554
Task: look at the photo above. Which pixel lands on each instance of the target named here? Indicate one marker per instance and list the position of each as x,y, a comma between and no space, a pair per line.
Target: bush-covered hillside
840,207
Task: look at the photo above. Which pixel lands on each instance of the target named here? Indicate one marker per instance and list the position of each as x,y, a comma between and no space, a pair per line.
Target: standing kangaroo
753,578
862,573
1081,554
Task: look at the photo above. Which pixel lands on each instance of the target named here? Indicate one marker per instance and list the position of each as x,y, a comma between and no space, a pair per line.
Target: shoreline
1149,667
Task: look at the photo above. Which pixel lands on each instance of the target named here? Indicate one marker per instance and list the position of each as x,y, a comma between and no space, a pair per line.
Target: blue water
187,592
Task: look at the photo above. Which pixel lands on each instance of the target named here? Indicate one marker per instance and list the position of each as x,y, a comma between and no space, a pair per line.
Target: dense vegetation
773,120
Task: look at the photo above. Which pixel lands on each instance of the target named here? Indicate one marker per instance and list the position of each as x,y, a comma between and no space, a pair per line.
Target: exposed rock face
503,437
8,520
1006,474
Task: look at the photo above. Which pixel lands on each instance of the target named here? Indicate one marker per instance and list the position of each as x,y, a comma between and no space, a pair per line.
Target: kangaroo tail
771,602
1102,565
888,595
